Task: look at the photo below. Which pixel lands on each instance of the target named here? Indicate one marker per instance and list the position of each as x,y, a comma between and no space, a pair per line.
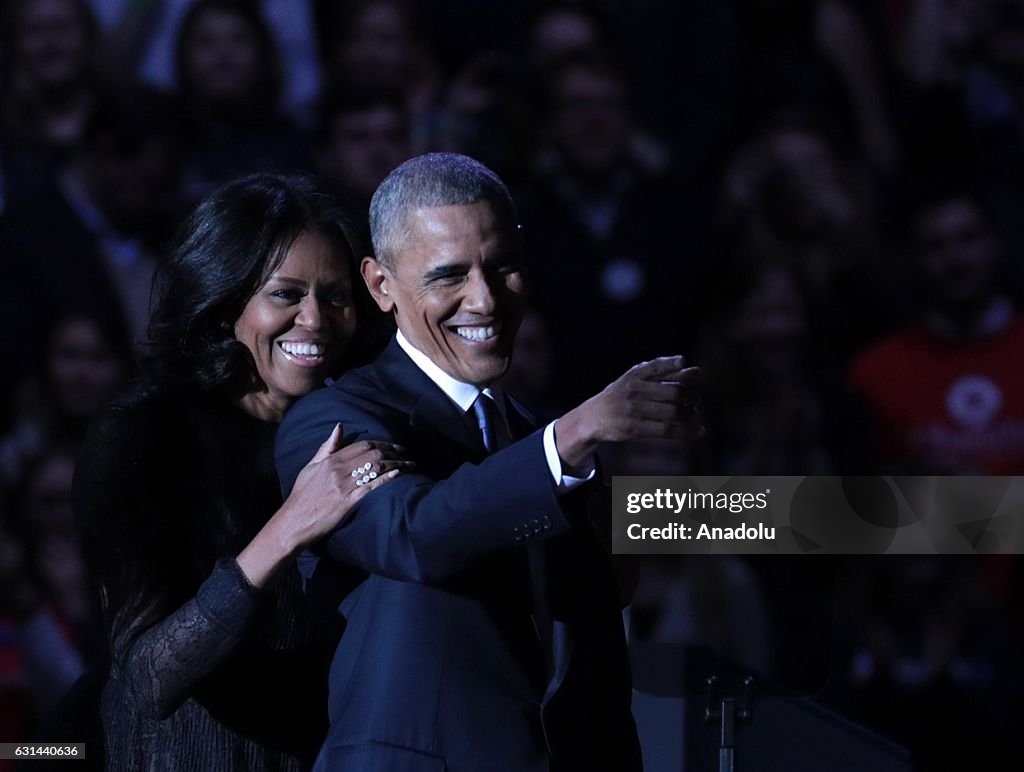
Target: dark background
818,201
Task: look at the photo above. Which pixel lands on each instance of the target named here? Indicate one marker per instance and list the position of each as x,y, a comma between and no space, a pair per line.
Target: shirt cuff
564,482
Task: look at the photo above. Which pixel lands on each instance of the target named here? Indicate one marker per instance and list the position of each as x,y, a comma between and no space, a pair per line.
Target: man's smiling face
457,289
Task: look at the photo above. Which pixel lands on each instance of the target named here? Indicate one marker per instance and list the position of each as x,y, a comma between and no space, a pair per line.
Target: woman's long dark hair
227,248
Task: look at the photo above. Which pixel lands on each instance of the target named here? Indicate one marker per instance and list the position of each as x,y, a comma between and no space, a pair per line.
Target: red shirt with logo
948,406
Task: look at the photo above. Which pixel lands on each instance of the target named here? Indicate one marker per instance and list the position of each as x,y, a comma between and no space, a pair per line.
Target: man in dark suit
484,630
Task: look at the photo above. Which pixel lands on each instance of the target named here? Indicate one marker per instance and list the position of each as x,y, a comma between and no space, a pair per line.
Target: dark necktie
489,421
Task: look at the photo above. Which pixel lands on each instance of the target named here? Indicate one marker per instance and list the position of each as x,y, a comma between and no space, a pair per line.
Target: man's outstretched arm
421,529
426,529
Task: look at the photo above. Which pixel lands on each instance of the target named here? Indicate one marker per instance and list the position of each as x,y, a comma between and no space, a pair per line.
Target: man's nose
479,294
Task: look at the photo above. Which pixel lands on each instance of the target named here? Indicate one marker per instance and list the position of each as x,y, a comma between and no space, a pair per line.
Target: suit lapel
436,413
429,409
520,422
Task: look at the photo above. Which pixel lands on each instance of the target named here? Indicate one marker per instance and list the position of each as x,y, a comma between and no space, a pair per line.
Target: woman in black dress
213,662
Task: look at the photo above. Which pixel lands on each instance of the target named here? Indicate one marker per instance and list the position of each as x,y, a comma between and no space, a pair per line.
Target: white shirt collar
462,394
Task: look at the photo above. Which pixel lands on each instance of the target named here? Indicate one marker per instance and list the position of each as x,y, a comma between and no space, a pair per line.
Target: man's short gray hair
431,180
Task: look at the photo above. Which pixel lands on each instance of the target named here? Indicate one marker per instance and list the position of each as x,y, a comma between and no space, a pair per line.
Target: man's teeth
476,333
304,349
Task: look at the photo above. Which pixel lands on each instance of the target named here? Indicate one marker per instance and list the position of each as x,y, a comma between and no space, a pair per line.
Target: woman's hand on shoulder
337,478
325,492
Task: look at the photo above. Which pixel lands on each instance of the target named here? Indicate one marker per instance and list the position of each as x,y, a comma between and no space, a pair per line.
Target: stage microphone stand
729,708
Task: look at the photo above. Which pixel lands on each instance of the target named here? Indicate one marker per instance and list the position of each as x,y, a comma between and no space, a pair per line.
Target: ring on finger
364,474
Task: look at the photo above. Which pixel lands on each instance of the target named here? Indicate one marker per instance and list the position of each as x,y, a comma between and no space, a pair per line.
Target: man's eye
448,279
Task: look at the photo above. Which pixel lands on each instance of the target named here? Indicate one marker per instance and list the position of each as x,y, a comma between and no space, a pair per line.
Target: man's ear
377,277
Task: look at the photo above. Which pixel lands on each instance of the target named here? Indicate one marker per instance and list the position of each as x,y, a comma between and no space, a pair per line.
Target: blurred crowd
818,201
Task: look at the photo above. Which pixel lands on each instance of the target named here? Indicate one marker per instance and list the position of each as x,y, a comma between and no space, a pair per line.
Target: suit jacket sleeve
416,528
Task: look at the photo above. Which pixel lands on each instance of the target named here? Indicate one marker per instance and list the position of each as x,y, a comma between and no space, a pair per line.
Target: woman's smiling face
299,323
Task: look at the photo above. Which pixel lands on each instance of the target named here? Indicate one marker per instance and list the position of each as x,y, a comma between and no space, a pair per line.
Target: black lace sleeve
164,634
